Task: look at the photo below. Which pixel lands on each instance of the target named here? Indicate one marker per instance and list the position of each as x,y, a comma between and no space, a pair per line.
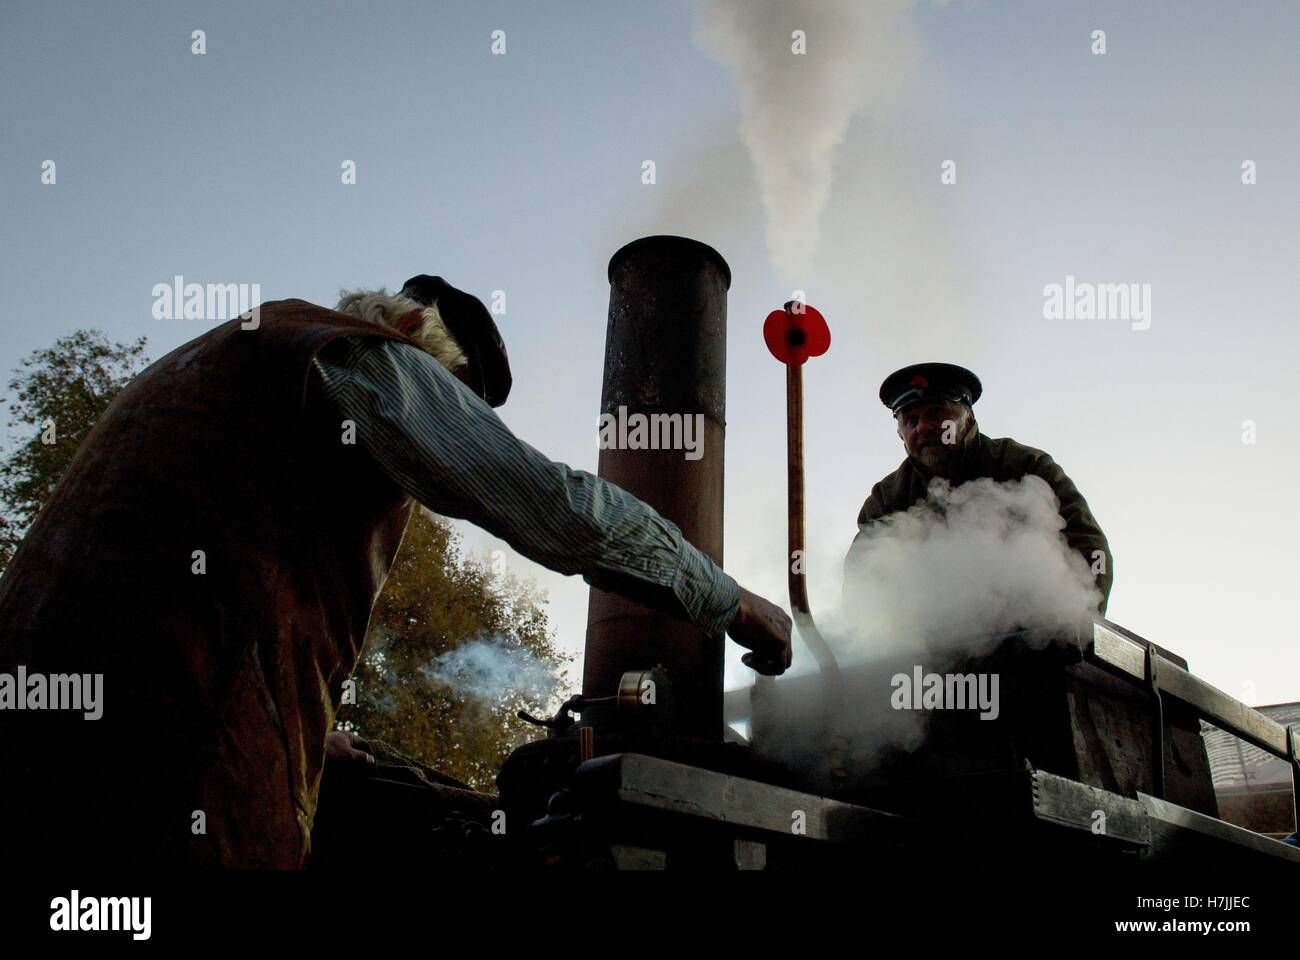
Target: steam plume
969,563
796,107
930,587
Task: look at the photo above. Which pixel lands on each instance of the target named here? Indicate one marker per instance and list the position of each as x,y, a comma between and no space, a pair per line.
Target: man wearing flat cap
215,548
932,404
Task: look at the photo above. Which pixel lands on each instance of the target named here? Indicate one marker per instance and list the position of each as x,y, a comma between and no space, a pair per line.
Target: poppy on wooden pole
793,335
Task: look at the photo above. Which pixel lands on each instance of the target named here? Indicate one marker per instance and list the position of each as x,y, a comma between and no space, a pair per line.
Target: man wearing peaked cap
932,405
284,453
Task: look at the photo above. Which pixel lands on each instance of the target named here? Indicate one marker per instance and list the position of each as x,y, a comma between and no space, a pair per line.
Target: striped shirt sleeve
447,448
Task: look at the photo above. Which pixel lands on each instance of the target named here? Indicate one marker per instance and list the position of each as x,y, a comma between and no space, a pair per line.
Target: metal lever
1157,723
563,719
1293,755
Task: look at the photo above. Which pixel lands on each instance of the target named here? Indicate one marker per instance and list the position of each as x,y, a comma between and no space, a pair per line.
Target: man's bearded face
933,431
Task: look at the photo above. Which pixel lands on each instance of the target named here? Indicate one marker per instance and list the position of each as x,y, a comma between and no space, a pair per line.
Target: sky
522,172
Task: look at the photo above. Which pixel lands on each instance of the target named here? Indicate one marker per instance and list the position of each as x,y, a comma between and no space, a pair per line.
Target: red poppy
796,333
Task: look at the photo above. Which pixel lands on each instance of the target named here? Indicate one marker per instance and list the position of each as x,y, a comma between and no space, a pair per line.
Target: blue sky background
522,173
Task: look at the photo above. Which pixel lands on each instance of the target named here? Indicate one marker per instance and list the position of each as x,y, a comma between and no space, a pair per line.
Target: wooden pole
798,558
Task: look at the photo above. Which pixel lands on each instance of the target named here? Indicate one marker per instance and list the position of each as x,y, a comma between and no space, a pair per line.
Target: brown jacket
1000,459
219,686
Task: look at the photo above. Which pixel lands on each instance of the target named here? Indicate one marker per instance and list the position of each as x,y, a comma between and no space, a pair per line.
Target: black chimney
665,353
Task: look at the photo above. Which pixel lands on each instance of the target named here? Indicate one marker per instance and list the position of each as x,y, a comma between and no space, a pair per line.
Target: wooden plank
1156,825
670,787
1153,825
1171,823
1072,804
1211,703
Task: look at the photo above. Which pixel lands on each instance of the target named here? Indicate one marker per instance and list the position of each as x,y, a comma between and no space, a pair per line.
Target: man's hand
343,749
764,628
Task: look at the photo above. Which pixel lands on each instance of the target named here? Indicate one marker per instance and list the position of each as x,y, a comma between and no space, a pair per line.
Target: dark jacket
219,686
1000,459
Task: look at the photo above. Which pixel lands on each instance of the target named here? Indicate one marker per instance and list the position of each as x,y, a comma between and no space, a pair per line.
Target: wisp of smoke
796,104
930,587
490,670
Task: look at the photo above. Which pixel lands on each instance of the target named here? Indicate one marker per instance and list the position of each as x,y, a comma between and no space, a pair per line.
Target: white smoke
494,671
967,564
796,107
929,587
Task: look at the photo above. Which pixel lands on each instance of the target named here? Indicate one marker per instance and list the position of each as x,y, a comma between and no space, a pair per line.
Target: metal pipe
800,609
665,353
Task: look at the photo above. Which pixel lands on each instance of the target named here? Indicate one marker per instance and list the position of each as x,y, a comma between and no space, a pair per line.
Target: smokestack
665,353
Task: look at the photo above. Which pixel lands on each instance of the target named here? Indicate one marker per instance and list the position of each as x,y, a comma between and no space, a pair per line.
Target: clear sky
522,173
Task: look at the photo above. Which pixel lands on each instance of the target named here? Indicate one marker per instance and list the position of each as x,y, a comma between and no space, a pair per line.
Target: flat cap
470,322
929,381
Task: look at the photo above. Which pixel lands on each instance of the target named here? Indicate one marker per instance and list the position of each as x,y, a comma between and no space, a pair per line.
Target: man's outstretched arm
447,448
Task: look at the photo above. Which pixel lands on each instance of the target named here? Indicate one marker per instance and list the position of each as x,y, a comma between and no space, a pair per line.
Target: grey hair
381,307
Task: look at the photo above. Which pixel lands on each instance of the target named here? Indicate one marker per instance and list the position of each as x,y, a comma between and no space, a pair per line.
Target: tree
59,392
436,606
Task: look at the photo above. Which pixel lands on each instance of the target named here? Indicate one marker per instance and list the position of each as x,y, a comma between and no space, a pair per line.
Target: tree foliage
436,601
57,393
